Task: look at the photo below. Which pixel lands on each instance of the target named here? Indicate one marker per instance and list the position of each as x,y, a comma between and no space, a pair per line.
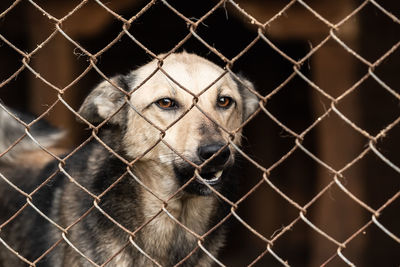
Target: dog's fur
130,134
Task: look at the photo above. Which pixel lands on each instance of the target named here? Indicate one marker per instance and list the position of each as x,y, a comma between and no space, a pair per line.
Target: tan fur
189,130
195,74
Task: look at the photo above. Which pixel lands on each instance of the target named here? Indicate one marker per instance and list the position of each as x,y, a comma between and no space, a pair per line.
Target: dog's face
186,116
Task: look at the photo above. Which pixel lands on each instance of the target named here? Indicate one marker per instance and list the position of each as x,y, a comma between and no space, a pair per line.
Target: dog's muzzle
216,157
215,160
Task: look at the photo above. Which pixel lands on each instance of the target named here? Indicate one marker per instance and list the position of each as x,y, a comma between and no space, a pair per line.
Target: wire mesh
336,178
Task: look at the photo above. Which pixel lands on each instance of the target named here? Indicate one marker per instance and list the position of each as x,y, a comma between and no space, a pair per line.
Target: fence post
337,148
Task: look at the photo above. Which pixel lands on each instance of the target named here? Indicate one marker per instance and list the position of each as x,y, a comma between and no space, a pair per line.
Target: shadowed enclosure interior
320,168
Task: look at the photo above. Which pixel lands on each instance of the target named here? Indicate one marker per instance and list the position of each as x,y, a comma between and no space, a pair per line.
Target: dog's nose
207,151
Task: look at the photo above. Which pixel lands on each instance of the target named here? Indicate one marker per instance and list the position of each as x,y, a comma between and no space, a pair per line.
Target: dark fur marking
246,94
95,168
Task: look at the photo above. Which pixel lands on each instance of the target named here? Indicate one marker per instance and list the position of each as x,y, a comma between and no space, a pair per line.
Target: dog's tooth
218,174
216,177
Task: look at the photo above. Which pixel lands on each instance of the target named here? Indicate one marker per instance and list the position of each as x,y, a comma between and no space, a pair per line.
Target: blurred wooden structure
300,25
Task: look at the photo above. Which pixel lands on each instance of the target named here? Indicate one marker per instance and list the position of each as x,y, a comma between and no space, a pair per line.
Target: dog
145,189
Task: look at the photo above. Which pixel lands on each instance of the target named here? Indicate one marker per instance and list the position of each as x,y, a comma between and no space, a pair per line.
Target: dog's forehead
185,70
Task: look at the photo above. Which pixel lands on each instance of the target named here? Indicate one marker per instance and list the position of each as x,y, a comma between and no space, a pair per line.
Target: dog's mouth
206,177
211,178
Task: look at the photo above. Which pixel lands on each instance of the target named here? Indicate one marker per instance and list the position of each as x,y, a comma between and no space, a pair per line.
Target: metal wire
262,28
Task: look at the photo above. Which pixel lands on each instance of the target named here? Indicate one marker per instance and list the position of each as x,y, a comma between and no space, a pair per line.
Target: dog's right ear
104,101
250,100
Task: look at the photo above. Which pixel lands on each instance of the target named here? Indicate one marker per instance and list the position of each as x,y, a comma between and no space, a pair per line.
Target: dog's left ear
105,100
250,100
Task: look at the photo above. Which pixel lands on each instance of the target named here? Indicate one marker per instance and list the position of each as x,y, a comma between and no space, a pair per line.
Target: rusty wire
262,26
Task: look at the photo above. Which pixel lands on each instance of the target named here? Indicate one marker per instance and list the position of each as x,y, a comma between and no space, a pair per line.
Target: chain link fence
320,177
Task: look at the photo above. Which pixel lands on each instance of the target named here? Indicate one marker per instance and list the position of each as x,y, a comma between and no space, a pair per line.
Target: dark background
297,105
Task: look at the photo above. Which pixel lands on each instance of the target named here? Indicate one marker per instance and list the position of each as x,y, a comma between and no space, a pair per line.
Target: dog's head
177,119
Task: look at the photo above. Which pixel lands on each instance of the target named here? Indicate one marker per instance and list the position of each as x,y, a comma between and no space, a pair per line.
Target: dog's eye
166,103
224,101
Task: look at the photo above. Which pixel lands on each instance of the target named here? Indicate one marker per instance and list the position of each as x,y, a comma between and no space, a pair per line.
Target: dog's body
147,199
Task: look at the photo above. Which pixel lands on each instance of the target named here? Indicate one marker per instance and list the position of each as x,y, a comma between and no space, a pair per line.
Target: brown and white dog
175,122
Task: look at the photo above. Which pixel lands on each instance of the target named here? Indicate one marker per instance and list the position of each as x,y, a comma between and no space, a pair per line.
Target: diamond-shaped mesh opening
264,224
41,66
291,105
264,60
171,33
379,107
28,213
380,255
145,172
333,84
75,25
334,198
300,237
353,144
278,144
219,27
310,23
23,16
378,181
295,176
9,54
387,33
